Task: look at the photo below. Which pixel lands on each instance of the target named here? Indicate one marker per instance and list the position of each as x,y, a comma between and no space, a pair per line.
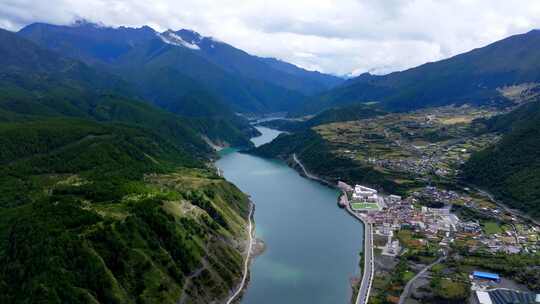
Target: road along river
312,246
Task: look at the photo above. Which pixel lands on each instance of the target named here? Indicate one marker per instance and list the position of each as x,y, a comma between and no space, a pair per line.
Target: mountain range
475,77
93,182
193,75
184,71
37,83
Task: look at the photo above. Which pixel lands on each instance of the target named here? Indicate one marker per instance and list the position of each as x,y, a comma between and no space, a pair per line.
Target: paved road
367,276
248,257
408,286
506,207
306,173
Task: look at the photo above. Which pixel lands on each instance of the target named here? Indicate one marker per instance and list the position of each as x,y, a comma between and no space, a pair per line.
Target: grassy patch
492,228
407,276
452,290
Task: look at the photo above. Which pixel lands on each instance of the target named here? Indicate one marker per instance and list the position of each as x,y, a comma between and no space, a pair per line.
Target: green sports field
364,206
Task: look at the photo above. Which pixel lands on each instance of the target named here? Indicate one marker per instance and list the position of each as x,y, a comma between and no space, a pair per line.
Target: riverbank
300,264
243,284
362,296
306,174
369,269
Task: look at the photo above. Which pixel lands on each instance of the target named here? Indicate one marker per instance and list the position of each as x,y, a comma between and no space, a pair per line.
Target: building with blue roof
486,276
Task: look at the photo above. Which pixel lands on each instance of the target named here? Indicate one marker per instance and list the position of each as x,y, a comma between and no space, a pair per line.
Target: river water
312,246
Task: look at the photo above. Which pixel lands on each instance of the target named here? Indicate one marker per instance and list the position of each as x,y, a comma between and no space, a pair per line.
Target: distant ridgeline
511,168
106,198
478,77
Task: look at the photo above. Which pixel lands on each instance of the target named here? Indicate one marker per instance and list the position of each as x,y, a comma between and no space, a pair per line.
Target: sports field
364,206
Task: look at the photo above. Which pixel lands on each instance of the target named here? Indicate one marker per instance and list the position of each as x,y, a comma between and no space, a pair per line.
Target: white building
365,194
392,248
483,297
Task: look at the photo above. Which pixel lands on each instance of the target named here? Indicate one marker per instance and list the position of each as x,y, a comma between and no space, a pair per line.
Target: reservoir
312,246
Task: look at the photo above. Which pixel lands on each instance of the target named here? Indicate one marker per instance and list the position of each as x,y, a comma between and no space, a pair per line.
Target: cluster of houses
435,194
437,225
389,213
394,213
421,167
472,235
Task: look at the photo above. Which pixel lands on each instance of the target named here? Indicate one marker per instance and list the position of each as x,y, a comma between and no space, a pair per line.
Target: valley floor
418,155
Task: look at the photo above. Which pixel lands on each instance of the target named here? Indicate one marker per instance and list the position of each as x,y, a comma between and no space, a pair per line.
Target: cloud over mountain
335,36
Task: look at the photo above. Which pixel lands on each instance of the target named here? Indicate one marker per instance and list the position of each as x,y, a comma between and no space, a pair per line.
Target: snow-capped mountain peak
172,38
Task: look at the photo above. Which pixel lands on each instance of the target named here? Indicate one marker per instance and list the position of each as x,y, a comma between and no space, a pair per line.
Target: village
458,218
438,160
423,146
390,213
436,218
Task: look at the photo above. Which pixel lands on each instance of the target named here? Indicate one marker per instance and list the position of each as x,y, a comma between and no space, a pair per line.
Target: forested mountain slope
317,156
174,67
271,70
473,77
105,198
511,168
108,213
338,114
38,83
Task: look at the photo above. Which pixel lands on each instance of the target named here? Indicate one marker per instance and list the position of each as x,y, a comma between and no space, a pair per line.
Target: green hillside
101,152
106,198
511,168
98,213
339,114
316,155
194,71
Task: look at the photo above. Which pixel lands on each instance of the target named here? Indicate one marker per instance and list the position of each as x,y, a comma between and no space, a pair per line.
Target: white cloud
336,36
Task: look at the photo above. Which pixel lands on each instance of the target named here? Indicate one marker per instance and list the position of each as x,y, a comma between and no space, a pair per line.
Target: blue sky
333,36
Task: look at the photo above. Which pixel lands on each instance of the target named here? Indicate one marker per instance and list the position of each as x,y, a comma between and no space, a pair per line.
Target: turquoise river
312,246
